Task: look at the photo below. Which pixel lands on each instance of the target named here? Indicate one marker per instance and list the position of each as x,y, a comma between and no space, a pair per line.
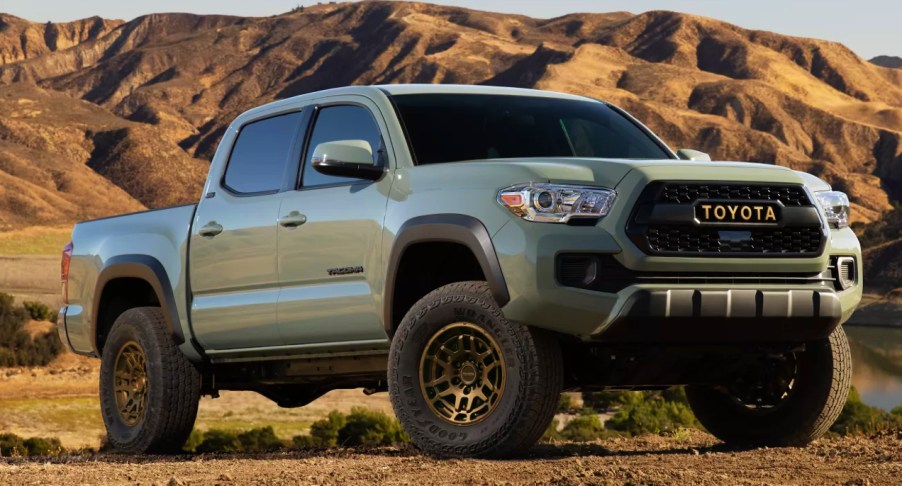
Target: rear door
330,266
233,248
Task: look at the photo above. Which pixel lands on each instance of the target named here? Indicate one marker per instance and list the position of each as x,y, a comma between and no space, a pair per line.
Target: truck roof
406,89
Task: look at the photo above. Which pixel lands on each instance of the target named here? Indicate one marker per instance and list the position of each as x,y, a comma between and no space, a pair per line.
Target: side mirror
689,154
347,158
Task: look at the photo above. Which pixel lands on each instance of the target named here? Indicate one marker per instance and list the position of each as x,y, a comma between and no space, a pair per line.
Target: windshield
457,127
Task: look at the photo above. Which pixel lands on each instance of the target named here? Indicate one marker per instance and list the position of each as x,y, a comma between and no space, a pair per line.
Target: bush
262,439
859,418
40,312
40,446
566,404
603,401
194,440
650,412
13,445
305,442
325,431
16,346
218,440
370,427
583,428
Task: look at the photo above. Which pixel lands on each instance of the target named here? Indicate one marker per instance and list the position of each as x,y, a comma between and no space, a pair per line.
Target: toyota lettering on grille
737,212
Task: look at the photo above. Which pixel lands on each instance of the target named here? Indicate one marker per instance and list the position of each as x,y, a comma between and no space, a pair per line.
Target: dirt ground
697,459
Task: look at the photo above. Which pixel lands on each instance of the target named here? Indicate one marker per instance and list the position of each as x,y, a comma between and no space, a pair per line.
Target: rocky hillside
155,94
21,39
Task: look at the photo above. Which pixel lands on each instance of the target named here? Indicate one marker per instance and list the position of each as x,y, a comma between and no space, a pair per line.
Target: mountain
21,39
131,109
887,61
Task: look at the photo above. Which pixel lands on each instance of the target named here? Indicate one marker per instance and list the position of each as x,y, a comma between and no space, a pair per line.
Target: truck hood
610,172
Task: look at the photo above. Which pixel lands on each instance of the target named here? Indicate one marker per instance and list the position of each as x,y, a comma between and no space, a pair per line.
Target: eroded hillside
156,93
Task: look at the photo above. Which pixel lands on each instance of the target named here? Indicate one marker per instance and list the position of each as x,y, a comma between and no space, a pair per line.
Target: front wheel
793,399
149,391
466,382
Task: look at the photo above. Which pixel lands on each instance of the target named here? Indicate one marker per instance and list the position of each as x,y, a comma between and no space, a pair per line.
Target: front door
330,265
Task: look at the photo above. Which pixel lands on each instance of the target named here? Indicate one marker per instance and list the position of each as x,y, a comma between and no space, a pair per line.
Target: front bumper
676,311
744,315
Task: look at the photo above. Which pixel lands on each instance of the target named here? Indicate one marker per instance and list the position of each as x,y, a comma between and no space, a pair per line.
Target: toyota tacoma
474,251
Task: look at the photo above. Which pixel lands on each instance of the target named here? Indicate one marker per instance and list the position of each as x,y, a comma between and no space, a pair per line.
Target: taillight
64,270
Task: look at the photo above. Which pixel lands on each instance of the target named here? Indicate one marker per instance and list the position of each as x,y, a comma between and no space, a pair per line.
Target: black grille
677,232
685,239
689,193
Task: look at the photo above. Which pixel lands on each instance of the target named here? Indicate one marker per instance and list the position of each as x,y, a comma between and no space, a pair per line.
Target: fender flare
447,228
148,269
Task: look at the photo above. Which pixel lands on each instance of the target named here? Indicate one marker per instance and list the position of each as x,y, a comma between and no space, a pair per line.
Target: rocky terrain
100,117
694,459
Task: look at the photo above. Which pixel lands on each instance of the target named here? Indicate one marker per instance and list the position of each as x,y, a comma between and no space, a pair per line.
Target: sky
868,27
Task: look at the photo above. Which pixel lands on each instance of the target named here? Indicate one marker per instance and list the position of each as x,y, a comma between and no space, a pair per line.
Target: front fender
449,228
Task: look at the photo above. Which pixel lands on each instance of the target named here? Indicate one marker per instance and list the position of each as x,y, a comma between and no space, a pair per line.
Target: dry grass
31,277
35,240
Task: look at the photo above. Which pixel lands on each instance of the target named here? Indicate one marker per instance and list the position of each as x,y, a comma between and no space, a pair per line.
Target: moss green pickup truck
474,251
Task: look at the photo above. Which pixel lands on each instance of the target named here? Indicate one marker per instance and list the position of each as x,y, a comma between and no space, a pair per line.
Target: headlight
835,206
556,203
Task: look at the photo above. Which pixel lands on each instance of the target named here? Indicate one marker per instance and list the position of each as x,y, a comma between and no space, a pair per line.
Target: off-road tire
533,368
823,380
173,386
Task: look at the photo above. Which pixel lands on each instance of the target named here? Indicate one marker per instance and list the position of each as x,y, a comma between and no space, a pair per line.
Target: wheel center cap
468,373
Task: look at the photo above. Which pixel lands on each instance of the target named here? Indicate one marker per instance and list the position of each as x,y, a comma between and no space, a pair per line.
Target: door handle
292,220
210,230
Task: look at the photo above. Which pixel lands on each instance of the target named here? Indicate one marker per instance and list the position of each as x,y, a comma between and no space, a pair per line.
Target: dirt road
697,459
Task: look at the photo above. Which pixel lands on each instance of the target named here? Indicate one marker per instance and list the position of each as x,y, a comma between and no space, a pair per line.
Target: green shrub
218,440
583,428
858,417
41,446
305,442
551,432
603,401
194,440
370,427
16,346
566,404
261,439
39,312
649,412
324,432
13,445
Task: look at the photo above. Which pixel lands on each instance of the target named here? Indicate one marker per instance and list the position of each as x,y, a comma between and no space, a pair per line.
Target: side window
334,123
261,154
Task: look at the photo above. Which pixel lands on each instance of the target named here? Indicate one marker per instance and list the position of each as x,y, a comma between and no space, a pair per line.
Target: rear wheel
465,381
793,399
149,391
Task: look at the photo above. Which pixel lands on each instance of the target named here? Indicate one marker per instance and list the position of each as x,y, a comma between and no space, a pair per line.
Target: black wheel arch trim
148,269
448,228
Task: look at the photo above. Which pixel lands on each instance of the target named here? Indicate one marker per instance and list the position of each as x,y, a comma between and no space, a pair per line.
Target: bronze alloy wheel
462,374
130,383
